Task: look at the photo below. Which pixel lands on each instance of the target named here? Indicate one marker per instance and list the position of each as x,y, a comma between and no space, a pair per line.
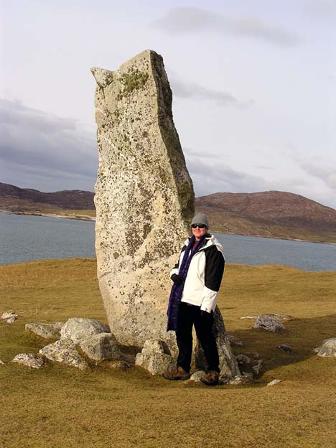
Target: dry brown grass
58,406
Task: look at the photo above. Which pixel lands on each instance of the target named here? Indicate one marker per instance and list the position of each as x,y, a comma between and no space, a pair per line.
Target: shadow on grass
303,335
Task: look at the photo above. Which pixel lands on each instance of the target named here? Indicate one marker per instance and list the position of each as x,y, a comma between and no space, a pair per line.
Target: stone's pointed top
103,77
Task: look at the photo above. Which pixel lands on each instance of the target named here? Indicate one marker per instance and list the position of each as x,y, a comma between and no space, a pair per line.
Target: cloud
39,146
192,90
325,174
190,19
210,175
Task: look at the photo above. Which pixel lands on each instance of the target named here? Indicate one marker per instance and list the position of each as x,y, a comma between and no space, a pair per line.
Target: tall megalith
144,197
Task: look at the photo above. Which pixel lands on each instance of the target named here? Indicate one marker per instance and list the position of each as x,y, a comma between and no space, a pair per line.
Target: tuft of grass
58,406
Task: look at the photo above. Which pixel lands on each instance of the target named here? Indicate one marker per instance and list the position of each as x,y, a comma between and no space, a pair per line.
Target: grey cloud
192,90
212,175
190,19
325,174
41,146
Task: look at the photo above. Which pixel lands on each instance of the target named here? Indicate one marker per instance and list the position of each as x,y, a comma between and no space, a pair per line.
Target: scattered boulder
273,382
29,360
99,347
46,331
64,351
9,317
327,349
154,357
269,322
285,348
78,329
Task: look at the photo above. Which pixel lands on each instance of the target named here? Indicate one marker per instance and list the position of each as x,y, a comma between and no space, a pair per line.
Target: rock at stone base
64,351
46,331
78,328
9,317
196,376
29,360
99,347
273,383
327,349
240,380
250,364
269,322
154,357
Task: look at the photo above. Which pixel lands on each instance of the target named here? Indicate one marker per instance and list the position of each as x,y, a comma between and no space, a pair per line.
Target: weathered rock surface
46,331
269,322
227,362
78,328
327,349
142,187
9,317
154,357
99,347
64,351
31,360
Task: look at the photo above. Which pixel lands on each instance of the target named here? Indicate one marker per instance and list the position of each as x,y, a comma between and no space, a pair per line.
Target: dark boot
177,373
210,378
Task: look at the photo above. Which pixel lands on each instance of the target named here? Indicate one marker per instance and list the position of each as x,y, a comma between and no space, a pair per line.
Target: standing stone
144,197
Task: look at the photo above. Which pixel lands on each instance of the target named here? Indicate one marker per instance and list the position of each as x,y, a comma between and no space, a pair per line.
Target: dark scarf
177,290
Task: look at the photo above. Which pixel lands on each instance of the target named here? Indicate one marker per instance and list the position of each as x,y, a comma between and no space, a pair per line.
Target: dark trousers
188,316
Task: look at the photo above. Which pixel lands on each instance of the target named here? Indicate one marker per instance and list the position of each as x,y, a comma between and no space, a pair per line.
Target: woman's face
198,232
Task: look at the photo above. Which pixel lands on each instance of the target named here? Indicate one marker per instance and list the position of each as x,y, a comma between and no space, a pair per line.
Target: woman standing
197,277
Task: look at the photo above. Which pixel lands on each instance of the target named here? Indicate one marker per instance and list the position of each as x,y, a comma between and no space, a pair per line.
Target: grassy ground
58,406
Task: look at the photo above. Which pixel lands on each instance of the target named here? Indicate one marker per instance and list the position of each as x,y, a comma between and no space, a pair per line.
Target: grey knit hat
200,218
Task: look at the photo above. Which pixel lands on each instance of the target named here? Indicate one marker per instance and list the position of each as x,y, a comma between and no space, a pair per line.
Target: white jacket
204,274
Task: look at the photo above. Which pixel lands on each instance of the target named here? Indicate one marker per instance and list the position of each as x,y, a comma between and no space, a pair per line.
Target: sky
254,89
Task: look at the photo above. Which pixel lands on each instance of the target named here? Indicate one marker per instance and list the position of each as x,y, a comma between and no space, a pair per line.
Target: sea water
24,238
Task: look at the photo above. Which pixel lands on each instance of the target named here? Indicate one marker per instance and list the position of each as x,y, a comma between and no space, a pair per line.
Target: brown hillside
271,213
14,198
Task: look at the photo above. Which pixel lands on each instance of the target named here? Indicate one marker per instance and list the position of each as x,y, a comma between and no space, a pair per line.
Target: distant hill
24,199
269,214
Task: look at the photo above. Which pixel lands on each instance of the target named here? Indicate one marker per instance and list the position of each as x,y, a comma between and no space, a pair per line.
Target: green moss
133,80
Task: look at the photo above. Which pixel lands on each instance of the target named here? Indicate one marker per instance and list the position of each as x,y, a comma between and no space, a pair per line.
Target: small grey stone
269,322
64,351
30,360
100,346
327,349
78,328
285,348
240,380
273,382
46,331
9,317
196,376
